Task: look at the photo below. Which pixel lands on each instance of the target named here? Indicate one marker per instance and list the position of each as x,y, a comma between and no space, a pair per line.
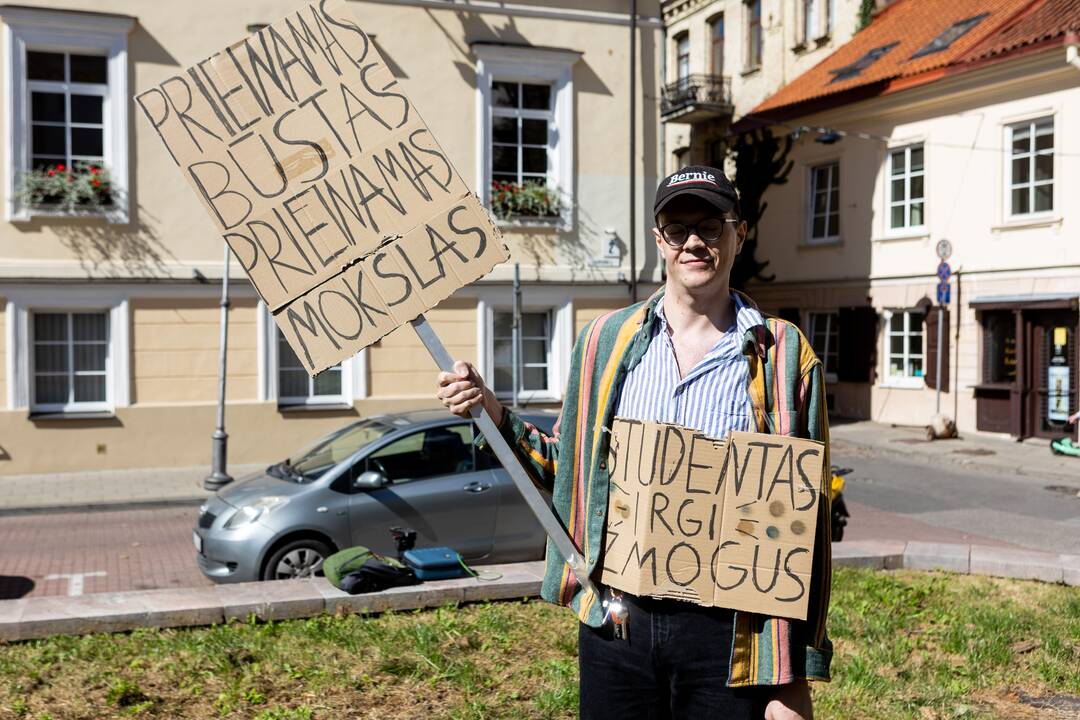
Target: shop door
1051,363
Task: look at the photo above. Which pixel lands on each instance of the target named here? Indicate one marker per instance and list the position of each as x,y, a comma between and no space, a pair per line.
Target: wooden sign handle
536,502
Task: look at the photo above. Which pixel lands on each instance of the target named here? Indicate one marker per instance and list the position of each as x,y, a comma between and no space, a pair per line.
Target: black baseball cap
707,183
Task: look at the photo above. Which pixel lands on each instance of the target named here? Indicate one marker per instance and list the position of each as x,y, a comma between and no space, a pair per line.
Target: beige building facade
982,159
110,316
723,57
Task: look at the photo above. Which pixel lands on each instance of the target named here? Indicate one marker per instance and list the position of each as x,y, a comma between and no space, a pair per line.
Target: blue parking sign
944,292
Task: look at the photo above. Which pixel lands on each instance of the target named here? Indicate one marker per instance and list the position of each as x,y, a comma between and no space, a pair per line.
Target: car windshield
328,451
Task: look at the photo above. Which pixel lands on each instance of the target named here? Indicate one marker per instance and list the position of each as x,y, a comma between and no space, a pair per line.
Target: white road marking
75,580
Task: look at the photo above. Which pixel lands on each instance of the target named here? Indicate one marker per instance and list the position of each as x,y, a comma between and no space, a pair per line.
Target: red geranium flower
95,182
60,167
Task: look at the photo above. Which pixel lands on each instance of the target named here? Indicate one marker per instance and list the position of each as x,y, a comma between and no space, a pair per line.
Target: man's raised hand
463,389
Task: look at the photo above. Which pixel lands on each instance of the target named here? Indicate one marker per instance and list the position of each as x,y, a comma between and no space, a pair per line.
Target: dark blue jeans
675,665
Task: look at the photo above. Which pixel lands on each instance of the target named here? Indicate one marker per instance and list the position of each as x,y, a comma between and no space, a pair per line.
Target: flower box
525,203
58,190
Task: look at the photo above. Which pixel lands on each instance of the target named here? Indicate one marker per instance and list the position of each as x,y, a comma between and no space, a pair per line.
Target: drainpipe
1072,49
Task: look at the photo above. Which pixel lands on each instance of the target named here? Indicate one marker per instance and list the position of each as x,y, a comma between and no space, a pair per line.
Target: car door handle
476,487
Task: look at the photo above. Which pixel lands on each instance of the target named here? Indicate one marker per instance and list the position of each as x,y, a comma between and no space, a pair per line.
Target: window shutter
858,343
930,342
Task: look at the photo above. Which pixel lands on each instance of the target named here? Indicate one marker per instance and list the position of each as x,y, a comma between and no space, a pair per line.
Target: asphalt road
890,497
1036,513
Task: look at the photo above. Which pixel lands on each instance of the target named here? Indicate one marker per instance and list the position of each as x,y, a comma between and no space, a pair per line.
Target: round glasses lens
710,229
675,233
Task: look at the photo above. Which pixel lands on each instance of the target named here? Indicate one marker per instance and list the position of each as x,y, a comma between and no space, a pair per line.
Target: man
702,356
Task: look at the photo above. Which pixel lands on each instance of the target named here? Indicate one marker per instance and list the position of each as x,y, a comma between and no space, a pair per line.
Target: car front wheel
297,559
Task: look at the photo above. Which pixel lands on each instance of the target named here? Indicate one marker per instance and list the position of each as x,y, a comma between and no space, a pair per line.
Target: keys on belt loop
618,613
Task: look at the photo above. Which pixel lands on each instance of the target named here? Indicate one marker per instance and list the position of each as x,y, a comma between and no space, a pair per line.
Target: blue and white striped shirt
711,399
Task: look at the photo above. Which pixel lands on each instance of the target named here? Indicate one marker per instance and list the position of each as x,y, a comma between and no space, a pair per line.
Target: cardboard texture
343,210
722,523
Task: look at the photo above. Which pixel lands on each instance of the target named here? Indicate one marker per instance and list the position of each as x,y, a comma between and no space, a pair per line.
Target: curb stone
938,556
1070,566
40,617
1023,564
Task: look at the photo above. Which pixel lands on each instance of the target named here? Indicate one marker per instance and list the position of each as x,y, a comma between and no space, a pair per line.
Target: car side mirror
370,480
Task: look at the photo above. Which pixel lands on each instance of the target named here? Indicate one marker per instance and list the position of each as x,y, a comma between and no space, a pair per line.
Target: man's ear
660,242
740,236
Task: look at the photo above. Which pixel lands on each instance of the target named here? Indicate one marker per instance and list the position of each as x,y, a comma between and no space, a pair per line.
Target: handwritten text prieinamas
321,176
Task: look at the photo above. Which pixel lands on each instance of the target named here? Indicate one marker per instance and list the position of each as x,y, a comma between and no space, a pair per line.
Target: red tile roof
1039,23
904,28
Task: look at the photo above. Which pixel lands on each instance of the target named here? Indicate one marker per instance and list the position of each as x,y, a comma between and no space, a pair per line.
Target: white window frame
1032,182
905,230
562,337
903,381
70,406
812,191
525,392
22,303
809,22
530,65
832,333
521,114
354,371
70,32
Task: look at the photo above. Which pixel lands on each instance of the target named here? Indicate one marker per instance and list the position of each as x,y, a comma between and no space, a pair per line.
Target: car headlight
248,514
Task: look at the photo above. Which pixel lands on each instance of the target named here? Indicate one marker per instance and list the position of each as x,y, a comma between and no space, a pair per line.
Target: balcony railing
696,98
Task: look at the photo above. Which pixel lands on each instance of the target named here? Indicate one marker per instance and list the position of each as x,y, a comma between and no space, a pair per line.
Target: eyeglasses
709,230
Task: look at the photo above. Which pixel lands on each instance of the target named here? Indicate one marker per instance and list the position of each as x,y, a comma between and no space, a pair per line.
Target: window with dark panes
521,122
535,348
67,108
70,359
907,194
296,387
825,202
999,346
753,34
682,58
716,49
1031,167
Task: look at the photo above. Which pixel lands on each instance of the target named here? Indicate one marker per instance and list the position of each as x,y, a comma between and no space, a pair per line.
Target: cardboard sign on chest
721,523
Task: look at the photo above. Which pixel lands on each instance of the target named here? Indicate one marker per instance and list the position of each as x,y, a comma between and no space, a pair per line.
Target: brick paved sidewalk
1030,458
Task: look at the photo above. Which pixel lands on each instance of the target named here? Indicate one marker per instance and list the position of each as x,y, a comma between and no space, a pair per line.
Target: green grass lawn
908,645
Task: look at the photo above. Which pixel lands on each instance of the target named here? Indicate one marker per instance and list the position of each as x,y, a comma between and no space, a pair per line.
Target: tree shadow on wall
575,250
106,250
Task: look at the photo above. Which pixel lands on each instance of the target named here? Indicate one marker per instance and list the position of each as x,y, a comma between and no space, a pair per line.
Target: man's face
697,265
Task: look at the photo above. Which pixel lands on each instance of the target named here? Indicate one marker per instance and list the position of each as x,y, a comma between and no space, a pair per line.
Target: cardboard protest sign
725,523
325,182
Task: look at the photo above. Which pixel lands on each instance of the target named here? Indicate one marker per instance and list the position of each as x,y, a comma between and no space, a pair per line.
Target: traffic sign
944,272
944,249
944,292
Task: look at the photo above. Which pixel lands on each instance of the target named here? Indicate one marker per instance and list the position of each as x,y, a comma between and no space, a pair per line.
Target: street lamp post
218,477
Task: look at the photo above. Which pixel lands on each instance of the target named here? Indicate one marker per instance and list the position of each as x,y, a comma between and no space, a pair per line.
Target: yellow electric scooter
836,496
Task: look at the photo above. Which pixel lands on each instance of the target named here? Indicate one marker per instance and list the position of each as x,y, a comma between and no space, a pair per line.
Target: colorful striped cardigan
787,391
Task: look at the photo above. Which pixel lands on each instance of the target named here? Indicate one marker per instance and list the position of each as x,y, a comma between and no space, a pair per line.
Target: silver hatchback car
416,470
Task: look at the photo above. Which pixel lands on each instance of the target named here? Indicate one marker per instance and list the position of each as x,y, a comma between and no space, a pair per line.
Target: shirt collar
747,317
